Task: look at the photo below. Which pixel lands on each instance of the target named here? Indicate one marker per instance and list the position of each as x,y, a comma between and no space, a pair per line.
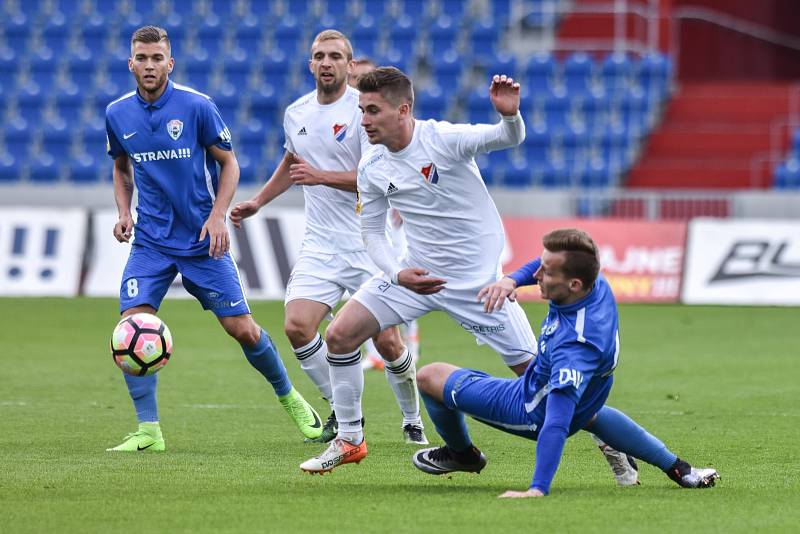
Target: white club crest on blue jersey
175,128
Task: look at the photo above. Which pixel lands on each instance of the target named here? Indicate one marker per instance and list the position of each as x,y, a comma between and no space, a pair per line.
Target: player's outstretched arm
123,195
303,173
214,227
277,184
504,93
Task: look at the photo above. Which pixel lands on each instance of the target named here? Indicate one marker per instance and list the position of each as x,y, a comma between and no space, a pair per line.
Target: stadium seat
45,169
365,36
540,73
655,71
796,141
55,34
396,59
288,36
30,101
453,8
93,138
501,11
9,69
517,173
210,36
84,169
93,33
557,110
249,35
787,174
616,72
376,9
69,104
447,68
265,106
483,40
17,136
578,72
227,100
236,70
501,63
10,168
81,68
341,9
43,68
442,36
536,145
414,8
198,73
575,143
276,70
595,175
57,140
16,31
479,108
403,36
431,104
555,174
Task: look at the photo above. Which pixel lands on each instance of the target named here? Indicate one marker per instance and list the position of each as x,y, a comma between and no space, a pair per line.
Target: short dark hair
150,34
390,82
582,259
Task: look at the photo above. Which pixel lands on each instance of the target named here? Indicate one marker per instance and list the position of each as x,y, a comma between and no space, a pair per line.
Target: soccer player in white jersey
394,226
426,170
324,143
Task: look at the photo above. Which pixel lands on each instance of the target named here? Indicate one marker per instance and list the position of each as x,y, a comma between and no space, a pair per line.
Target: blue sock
143,394
624,434
264,357
450,424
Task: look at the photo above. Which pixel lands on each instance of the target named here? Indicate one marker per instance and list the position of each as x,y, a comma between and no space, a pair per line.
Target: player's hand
219,241
511,494
302,173
124,228
504,93
418,281
496,294
243,210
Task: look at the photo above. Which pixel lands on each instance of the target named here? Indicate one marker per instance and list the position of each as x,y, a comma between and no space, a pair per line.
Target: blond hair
330,35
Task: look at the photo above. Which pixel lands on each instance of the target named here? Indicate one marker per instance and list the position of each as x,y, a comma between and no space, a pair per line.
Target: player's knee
390,344
429,379
338,339
243,329
298,331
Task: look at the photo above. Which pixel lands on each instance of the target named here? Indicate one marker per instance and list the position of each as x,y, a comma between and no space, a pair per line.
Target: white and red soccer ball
141,344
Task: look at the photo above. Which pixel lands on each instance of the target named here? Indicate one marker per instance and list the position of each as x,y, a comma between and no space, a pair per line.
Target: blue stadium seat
266,106
339,8
541,73
210,36
518,174
502,63
120,76
81,68
483,39
253,138
68,105
30,101
536,146
655,71
414,8
288,36
276,70
396,59
442,35
198,72
447,69
93,138
43,69
94,33
485,168
365,36
375,8
578,72
617,71
57,140
403,36
10,168
45,169
17,31
796,141
557,110
236,70
453,8
787,174
17,135
501,11
249,35
228,100
55,34
575,144
84,169
555,173
479,108
431,104
9,69
595,175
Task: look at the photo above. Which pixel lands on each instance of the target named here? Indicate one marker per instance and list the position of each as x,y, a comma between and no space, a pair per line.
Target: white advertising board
265,250
41,251
743,262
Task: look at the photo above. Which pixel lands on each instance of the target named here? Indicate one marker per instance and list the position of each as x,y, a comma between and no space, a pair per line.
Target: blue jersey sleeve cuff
524,276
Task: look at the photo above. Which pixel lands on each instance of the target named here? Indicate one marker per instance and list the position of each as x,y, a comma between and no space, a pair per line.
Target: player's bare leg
401,373
353,325
263,356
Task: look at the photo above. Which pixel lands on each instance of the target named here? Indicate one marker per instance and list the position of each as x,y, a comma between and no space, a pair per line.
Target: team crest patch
430,173
339,131
175,128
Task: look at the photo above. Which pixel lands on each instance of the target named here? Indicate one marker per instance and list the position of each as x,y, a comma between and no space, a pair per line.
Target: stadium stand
62,61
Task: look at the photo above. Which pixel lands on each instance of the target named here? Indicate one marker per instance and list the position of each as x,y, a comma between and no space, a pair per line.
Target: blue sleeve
213,130
524,275
113,148
552,436
573,364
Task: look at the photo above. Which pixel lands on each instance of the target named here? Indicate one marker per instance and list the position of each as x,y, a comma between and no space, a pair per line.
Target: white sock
312,361
410,333
369,349
402,377
347,380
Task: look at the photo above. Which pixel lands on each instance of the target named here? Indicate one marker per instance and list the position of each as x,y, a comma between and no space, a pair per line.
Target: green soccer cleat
302,414
329,430
147,438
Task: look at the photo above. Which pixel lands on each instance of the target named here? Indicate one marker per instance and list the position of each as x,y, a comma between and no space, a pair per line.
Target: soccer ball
141,344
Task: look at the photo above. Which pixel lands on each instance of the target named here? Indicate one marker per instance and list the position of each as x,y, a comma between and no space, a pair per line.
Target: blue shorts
498,402
214,282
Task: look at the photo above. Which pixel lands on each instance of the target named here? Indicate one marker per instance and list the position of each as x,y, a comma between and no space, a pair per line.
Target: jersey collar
161,100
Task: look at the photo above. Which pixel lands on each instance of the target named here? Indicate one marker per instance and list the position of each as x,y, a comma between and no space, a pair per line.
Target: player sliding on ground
562,392
170,139
324,142
426,170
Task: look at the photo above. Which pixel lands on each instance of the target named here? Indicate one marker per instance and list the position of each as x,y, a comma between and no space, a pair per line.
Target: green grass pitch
718,385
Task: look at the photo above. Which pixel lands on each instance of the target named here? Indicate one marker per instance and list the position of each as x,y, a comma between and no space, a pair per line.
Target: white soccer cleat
624,467
339,452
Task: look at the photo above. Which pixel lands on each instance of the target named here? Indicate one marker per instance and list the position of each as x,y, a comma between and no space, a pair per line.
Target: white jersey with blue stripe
175,174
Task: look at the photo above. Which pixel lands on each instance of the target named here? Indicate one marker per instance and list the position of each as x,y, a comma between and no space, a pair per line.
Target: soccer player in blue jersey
169,139
563,391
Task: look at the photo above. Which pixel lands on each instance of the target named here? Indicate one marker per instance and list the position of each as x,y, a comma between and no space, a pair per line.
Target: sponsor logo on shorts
484,328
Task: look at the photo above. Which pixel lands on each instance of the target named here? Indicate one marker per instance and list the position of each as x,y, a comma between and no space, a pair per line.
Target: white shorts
325,277
507,331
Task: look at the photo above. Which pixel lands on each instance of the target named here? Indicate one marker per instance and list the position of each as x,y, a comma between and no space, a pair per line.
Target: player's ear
310,68
171,65
130,64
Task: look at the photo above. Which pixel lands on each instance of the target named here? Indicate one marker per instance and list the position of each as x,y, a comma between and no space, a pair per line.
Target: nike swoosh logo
317,422
128,135
236,303
140,448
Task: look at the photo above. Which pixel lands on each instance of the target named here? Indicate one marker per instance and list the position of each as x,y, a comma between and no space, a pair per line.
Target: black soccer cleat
414,435
687,476
442,460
